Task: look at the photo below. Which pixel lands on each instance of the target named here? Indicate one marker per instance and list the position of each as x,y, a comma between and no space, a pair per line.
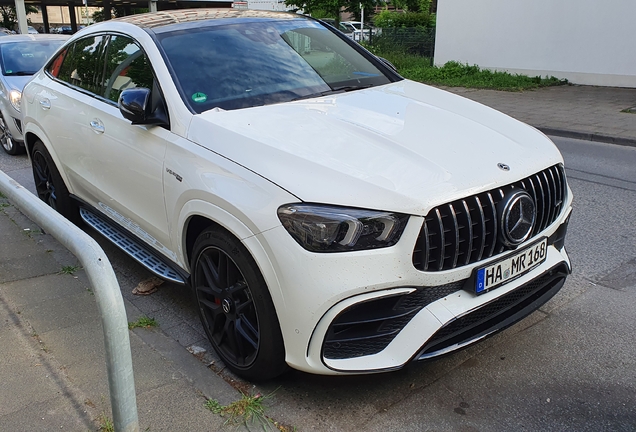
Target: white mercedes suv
327,214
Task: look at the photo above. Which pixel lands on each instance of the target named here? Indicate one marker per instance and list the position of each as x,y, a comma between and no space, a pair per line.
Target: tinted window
83,64
26,58
126,67
262,62
104,65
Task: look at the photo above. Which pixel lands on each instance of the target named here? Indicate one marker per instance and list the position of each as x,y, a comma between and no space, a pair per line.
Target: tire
6,140
235,307
50,186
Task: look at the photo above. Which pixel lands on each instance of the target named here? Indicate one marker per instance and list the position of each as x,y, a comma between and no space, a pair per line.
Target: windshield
27,57
255,63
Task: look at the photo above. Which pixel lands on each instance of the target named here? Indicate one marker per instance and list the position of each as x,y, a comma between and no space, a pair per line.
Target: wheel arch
29,141
198,215
33,134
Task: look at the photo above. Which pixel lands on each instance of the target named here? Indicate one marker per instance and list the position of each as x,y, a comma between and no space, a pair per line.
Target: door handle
97,126
45,103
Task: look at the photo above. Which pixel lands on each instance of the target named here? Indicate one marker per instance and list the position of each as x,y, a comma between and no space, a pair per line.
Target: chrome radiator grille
466,231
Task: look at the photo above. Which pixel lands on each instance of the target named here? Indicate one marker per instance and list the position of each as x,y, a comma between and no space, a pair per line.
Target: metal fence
107,293
408,40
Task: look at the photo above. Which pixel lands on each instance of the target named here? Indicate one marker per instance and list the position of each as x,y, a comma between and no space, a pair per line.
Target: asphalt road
569,366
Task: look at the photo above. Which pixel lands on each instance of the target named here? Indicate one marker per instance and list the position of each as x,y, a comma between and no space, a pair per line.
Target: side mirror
135,105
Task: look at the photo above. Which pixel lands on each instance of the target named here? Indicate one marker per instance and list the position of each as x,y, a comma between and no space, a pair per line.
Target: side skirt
134,247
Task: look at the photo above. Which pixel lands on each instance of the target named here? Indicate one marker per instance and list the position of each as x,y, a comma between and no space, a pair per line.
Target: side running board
133,247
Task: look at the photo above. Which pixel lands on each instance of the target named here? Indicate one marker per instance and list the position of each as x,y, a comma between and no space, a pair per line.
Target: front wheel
8,144
235,307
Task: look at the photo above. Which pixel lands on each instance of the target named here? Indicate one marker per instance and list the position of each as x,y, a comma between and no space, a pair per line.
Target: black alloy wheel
235,307
6,139
49,184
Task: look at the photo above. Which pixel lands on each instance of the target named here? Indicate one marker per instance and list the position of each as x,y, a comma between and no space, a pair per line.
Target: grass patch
144,322
2,195
248,410
106,424
69,270
454,74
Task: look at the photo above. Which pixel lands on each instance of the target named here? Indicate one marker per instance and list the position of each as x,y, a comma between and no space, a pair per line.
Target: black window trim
107,34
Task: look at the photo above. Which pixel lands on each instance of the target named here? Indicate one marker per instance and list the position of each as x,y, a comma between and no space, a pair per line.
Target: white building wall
586,41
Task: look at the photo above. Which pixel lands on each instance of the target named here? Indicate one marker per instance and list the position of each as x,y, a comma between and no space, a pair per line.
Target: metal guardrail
107,293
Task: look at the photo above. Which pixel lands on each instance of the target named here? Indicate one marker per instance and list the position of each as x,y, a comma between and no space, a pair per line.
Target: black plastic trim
141,243
499,320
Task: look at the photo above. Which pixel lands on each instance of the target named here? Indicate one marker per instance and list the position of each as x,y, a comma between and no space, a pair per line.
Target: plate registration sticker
510,268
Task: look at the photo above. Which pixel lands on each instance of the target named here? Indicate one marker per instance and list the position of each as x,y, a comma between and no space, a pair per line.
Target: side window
126,67
54,67
83,64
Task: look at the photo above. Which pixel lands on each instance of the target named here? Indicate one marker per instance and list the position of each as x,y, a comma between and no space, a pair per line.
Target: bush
391,19
455,74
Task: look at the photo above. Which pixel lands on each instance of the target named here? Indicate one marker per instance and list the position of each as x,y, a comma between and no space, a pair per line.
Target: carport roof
114,3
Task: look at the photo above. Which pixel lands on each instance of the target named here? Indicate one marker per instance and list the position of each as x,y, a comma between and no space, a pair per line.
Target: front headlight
320,228
15,97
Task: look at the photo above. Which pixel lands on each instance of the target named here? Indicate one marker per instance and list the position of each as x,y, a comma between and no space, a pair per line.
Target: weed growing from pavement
143,321
70,270
30,232
106,424
248,410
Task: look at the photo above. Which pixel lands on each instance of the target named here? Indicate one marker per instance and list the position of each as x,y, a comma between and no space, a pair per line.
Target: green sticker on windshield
199,97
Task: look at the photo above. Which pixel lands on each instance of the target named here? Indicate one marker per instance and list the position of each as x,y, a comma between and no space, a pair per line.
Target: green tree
10,18
393,19
413,5
332,8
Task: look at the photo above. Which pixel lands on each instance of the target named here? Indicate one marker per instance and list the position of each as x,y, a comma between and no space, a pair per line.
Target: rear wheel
49,184
235,307
8,144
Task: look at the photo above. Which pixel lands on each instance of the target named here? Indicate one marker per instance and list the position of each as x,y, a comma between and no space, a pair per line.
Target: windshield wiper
334,90
315,95
349,88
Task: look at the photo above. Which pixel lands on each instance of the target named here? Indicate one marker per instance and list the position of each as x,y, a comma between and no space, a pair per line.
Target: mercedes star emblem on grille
517,218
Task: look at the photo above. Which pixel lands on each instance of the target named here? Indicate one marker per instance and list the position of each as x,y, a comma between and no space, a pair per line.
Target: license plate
510,268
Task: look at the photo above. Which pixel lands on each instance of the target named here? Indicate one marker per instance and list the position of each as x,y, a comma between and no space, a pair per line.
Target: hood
17,82
403,147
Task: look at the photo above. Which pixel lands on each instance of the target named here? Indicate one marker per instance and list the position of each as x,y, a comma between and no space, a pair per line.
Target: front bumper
312,292
14,124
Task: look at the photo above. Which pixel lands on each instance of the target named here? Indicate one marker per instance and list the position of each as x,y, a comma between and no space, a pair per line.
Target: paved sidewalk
52,354
52,361
583,112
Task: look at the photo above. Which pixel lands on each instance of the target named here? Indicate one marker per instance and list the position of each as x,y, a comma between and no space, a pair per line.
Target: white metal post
361,22
20,12
102,278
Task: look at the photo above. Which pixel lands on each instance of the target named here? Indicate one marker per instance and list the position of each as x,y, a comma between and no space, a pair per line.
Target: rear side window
54,67
104,65
83,64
